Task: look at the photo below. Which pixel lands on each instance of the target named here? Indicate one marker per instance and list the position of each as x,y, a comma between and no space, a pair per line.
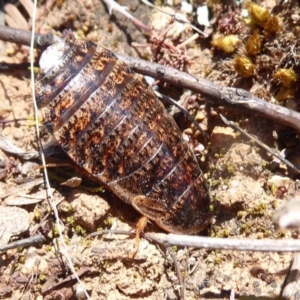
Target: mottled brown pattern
111,124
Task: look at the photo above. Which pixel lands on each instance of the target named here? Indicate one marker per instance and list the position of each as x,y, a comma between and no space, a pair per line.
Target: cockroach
111,124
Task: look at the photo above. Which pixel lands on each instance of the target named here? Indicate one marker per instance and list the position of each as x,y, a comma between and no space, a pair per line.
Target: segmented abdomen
111,124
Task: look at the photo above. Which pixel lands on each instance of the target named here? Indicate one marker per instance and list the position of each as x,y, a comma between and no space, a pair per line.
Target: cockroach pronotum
111,124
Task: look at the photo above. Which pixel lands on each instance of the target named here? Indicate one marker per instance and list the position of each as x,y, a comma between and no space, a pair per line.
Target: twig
7,146
177,269
112,5
180,18
109,231
68,280
273,152
265,245
33,41
19,189
219,95
22,37
36,239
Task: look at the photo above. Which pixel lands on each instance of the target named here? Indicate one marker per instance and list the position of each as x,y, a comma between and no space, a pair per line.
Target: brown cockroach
111,124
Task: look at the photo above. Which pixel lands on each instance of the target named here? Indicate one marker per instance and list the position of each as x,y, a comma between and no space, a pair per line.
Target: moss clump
258,210
241,214
80,231
70,221
230,168
217,260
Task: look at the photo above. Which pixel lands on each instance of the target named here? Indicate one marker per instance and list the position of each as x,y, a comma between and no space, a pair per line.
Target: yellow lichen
244,66
259,14
287,77
227,43
253,44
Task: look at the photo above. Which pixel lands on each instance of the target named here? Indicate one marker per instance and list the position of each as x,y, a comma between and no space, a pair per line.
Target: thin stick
219,95
177,269
265,245
47,183
180,18
23,37
69,279
33,240
183,110
112,5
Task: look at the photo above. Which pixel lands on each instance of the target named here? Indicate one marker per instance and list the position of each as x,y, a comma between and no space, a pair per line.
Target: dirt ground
247,185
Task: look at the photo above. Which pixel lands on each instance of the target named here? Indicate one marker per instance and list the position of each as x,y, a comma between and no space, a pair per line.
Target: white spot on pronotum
52,56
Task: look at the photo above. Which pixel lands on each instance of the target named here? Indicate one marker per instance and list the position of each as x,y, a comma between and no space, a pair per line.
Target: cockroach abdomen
111,124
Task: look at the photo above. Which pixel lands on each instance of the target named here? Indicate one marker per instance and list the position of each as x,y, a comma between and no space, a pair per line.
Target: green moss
69,208
217,198
236,264
260,236
108,222
215,183
212,168
241,214
88,243
174,248
226,182
274,189
223,151
48,248
258,210
243,227
280,233
212,208
80,231
207,72
115,43
275,204
98,189
230,168
237,134
42,278
55,232
217,260
248,231
67,241
158,3
70,220
22,259
226,233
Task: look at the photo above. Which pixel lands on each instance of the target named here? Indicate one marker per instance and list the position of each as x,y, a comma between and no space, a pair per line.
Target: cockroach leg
140,226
